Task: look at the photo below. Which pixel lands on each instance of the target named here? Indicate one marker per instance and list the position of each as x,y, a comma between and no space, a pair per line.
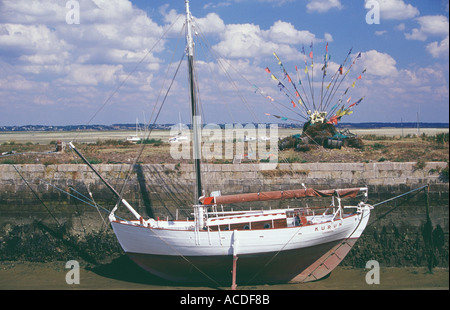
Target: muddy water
122,274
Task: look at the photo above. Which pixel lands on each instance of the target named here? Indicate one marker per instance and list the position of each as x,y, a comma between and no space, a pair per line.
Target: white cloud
432,25
212,23
45,61
16,82
395,92
380,32
284,32
30,38
275,2
109,32
396,9
439,49
92,74
250,41
400,27
436,25
416,34
244,40
81,64
322,6
379,64
32,12
216,5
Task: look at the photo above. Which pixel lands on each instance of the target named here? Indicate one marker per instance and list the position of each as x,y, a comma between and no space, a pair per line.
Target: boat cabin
264,219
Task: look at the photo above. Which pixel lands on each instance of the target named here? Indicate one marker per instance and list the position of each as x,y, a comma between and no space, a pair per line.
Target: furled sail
278,195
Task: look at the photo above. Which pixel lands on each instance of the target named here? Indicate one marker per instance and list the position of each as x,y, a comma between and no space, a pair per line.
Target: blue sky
107,69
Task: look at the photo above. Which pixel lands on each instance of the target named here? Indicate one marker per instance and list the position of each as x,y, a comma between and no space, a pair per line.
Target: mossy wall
40,218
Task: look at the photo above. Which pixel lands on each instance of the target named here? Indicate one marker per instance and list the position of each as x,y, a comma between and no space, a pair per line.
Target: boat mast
196,121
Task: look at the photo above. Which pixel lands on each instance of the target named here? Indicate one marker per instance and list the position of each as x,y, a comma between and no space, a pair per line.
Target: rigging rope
416,191
36,195
148,135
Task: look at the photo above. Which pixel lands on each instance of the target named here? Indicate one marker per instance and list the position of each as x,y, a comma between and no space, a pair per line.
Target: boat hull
299,254
270,267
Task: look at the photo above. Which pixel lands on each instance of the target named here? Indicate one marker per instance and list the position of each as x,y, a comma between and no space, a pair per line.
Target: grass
155,142
377,148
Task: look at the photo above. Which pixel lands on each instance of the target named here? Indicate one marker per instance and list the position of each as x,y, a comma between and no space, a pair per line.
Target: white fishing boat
136,138
296,244
179,137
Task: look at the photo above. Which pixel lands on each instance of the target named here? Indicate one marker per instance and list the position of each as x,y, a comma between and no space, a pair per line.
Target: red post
233,284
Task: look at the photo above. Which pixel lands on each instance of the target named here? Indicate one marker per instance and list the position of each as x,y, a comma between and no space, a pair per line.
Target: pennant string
324,69
304,92
334,79
333,93
312,74
286,74
272,100
352,86
327,92
307,74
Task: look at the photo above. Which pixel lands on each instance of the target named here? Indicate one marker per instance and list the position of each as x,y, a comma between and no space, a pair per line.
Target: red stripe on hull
251,269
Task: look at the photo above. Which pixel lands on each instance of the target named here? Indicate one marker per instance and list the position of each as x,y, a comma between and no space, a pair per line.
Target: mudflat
52,276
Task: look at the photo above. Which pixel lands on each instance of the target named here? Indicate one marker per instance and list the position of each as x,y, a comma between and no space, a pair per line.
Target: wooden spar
112,189
278,195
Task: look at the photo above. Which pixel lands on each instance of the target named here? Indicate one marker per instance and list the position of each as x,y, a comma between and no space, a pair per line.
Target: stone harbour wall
163,188
40,218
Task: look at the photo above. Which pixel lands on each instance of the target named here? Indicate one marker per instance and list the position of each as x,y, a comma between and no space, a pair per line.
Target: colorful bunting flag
279,61
289,78
334,119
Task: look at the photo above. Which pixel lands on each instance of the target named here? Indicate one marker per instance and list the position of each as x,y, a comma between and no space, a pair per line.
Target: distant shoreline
363,125
93,136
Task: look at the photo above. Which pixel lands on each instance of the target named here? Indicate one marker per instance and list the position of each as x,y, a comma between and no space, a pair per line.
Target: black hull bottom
260,268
